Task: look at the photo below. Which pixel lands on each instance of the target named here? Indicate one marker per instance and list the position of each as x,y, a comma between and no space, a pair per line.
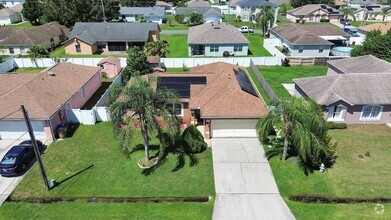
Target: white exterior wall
17,50
15,18
12,130
11,3
222,48
212,19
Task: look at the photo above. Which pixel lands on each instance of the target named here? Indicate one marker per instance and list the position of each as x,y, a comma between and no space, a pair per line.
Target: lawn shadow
250,53
72,128
70,177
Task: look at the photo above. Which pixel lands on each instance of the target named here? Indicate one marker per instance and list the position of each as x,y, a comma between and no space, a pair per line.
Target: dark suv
16,160
30,144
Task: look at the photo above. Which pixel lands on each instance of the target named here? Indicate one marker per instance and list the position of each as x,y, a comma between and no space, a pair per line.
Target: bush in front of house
193,140
324,20
334,125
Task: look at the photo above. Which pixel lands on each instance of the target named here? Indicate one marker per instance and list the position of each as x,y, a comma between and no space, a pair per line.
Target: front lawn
362,171
360,23
239,24
277,75
91,164
256,48
177,44
21,24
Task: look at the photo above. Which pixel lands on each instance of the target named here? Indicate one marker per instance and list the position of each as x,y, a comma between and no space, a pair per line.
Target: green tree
179,18
264,17
136,63
193,140
284,8
36,52
384,12
304,129
138,3
385,2
32,11
346,12
195,18
375,44
1,6
140,104
157,48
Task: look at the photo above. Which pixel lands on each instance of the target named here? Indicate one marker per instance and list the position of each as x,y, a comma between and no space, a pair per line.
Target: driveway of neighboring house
244,182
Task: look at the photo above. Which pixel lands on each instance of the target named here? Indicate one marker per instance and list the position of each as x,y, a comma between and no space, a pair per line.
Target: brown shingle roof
378,26
361,64
198,3
215,33
310,8
153,59
42,94
31,35
112,60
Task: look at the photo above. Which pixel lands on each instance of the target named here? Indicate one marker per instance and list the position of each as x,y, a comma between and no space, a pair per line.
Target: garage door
234,128
13,130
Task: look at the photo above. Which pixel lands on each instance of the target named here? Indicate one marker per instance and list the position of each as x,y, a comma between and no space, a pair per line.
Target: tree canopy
298,3
136,63
138,3
376,44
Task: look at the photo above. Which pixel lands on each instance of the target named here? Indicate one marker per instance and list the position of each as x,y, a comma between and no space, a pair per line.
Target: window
11,50
321,49
238,48
22,50
371,112
78,49
300,50
176,109
335,113
214,48
83,93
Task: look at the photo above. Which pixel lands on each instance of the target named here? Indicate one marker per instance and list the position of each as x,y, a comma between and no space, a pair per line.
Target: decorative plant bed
143,164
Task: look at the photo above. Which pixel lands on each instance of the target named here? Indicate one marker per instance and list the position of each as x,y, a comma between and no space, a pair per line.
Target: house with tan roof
111,66
46,96
313,13
355,90
11,15
220,97
213,39
309,40
20,40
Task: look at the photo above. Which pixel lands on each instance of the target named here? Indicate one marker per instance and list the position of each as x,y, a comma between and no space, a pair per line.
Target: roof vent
50,73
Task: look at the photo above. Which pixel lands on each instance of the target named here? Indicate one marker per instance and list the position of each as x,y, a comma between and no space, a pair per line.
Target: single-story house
370,12
313,13
358,65
198,3
213,39
46,97
98,37
20,40
166,5
210,14
220,97
111,66
10,3
382,27
11,15
247,9
356,3
150,14
311,40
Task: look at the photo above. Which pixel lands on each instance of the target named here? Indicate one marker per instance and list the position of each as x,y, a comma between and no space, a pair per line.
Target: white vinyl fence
270,45
49,62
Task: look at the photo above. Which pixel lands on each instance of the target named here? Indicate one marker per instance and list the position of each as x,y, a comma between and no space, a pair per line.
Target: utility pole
35,147
103,10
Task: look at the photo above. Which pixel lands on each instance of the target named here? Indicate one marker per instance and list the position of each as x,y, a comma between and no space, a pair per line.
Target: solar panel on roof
180,84
244,82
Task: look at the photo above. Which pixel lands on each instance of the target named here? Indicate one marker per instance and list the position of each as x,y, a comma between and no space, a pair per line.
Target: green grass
258,85
277,75
175,27
112,174
22,24
177,45
60,52
256,48
281,19
177,70
239,24
81,210
30,70
358,23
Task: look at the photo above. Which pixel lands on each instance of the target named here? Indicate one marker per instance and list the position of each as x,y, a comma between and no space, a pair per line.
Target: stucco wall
70,47
111,69
154,36
313,17
77,101
222,48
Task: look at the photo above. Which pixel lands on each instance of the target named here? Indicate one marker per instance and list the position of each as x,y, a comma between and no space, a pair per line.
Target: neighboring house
154,63
309,40
166,5
357,3
198,3
111,66
150,14
247,9
46,97
313,13
10,3
370,12
20,40
210,14
11,15
219,97
213,39
382,27
355,90
340,4
98,37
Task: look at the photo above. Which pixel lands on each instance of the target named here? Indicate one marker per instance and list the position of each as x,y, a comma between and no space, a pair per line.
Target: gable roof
354,89
42,95
382,27
310,8
31,35
93,32
146,11
308,34
199,10
362,2
111,60
198,3
215,33
11,10
254,3
361,64
164,4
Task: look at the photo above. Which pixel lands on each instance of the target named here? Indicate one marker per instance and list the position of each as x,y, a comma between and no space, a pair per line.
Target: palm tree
157,48
140,104
345,14
36,52
264,16
385,11
304,128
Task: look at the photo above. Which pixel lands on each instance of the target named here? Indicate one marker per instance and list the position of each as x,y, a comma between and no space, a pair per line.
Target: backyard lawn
358,23
21,24
258,85
60,52
29,70
276,75
256,48
174,27
239,24
362,171
177,44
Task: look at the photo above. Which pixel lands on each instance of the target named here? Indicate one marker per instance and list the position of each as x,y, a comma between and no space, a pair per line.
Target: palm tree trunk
144,133
286,142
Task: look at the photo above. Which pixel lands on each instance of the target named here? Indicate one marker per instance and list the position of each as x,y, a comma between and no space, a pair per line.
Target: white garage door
13,130
234,128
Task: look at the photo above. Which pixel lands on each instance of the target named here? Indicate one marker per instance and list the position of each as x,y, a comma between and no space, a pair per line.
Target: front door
199,50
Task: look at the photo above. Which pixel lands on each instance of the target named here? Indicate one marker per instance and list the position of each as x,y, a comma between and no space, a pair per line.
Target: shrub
104,75
193,140
297,20
324,20
179,18
333,125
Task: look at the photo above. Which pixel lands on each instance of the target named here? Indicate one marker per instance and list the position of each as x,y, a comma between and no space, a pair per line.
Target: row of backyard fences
264,84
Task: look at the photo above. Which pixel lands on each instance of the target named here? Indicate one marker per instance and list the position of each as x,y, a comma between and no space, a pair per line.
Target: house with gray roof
11,15
150,14
215,38
105,37
210,14
355,90
309,40
11,3
247,9
313,13
198,3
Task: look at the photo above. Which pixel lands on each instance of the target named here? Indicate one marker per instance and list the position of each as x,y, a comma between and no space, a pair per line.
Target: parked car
16,160
30,144
351,31
345,21
245,29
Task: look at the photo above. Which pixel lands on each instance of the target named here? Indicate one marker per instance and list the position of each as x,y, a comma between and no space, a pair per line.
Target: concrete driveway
244,182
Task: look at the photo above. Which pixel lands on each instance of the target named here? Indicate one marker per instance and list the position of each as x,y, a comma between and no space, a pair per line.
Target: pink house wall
111,69
312,17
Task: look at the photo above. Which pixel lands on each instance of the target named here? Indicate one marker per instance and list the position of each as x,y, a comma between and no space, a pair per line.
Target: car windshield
9,160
